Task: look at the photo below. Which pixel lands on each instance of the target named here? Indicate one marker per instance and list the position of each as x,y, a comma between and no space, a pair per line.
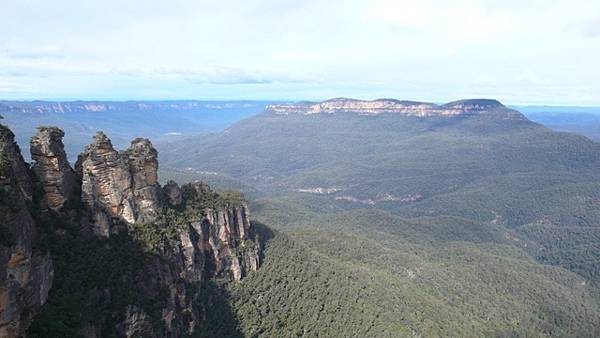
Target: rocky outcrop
233,251
106,186
224,233
11,156
172,193
119,188
25,271
180,238
214,241
143,166
380,106
52,167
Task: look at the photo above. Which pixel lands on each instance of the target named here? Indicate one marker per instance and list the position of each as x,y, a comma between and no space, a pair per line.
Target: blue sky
521,52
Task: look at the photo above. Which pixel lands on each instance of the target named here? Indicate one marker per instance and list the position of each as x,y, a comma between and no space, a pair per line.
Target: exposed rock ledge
319,190
380,106
381,197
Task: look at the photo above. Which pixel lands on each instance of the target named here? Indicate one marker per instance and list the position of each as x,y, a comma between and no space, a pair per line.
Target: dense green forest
372,273
469,226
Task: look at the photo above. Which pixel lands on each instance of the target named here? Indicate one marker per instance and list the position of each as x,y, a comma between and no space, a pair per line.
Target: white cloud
589,28
21,50
429,49
457,20
406,13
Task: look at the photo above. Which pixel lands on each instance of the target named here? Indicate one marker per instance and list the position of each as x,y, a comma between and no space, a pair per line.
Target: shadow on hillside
265,234
220,318
95,280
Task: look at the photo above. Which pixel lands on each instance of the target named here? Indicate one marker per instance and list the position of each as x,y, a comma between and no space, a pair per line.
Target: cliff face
214,243
380,106
52,167
171,240
225,234
25,271
119,188
143,166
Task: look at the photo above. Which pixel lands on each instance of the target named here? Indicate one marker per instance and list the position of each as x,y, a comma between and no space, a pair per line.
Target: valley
380,218
427,211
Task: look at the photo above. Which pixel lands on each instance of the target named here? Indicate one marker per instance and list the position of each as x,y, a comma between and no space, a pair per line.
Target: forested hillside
469,225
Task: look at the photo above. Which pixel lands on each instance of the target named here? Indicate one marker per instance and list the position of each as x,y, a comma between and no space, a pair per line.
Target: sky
520,52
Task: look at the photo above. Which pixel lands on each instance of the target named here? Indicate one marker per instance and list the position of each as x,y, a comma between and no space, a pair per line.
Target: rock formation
380,106
211,242
119,188
172,193
225,235
25,272
182,237
143,166
52,167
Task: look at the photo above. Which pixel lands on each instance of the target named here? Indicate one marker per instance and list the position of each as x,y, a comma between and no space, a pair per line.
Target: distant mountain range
164,121
581,120
159,120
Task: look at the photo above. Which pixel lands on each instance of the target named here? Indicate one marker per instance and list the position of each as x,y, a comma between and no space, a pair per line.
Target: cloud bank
542,52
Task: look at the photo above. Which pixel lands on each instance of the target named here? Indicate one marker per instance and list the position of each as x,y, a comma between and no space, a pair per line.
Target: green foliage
371,274
199,196
5,133
460,260
50,129
156,237
231,197
94,281
5,164
221,320
574,248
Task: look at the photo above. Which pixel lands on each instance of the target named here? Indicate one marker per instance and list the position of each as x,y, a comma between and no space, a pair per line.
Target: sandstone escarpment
119,188
163,244
201,236
226,235
222,232
380,106
52,167
25,271
231,227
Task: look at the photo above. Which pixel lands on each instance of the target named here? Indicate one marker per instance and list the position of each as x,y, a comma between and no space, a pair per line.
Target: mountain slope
396,160
343,276
480,221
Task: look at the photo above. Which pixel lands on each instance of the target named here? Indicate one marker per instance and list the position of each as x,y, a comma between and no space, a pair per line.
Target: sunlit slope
474,225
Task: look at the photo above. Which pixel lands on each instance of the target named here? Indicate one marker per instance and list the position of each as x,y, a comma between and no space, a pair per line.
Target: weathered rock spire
119,188
52,167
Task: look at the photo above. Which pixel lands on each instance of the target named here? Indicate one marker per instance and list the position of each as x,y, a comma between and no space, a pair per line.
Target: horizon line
123,100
